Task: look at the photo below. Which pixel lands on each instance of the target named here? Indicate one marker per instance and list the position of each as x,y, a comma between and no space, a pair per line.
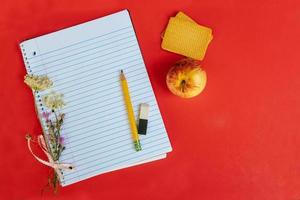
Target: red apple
186,79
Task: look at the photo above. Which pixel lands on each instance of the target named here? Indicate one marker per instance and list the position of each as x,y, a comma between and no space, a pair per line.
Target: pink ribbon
50,163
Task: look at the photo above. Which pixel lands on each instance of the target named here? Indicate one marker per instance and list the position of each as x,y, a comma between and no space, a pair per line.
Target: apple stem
182,84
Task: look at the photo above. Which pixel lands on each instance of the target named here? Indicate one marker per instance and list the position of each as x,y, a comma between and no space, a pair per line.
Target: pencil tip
122,76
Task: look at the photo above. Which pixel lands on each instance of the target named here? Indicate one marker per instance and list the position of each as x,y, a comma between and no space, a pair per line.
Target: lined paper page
84,63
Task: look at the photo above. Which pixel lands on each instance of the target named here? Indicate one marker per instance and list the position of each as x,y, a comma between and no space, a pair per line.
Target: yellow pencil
135,136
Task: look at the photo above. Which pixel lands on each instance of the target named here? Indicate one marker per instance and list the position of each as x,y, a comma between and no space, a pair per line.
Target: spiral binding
29,71
36,94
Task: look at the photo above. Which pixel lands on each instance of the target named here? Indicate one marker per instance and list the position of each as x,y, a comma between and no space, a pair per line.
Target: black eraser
143,119
142,130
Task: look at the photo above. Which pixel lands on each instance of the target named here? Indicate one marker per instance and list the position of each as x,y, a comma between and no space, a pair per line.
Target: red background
238,140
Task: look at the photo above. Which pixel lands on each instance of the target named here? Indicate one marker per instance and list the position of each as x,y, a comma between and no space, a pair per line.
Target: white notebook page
84,63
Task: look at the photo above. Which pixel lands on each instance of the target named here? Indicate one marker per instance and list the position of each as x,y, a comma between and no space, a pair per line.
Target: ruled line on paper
136,88
83,102
105,80
91,56
63,69
131,68
101,146
90,127
88,94
82,49
120,109
141,94
87,60
92,136
89,123
107,55
91,98
97,65
126,136
56,50
131,163
165,146
117,154
113,104
72,98
117,166
133,54
120,165
108,106
96,145
121,147
88,52
98,68
88,130
96,149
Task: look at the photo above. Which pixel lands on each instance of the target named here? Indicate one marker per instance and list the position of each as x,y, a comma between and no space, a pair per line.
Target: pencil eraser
143,119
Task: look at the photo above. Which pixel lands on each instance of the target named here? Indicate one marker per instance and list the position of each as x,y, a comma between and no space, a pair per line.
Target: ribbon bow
50,163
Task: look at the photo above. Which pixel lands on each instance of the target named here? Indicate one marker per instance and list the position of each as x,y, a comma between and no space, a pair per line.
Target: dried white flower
38,83
53,100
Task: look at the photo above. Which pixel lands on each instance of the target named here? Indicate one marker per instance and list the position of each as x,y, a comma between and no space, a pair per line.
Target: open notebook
84,62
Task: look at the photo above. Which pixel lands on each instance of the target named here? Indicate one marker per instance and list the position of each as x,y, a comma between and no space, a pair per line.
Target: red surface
239,140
